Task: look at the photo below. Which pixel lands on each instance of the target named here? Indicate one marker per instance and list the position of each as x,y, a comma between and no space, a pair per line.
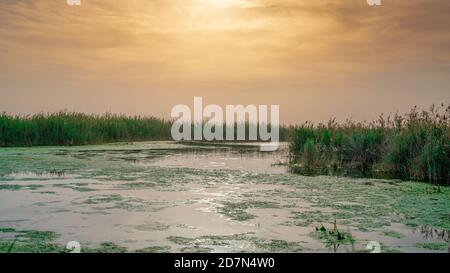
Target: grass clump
433,246
154,249
207,243
333,238
196,249
415,146
237,211
106,247
15,187
393,234
277,245
29,241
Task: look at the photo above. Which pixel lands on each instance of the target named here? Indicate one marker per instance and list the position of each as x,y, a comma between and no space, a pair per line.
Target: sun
224,3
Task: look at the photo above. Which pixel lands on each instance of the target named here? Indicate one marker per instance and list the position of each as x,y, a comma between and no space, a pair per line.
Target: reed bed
68,128
413,146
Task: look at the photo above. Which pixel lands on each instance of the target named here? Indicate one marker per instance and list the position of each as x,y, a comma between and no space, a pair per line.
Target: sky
317,59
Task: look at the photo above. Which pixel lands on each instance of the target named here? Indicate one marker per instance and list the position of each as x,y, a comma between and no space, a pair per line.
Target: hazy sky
316,58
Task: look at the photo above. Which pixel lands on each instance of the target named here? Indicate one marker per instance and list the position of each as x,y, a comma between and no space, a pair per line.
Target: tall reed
414,146
65,128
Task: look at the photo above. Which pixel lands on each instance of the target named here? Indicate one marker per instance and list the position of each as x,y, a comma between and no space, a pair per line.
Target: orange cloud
295,53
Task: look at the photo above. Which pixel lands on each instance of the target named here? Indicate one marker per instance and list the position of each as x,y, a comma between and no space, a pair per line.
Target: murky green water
168,197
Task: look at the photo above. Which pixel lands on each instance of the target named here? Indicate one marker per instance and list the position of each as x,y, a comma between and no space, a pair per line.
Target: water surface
165,196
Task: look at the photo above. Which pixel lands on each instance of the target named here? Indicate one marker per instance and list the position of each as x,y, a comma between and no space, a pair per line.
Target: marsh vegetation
414,146
66,128
165,196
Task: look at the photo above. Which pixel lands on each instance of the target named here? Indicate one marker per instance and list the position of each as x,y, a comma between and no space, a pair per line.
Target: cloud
262,45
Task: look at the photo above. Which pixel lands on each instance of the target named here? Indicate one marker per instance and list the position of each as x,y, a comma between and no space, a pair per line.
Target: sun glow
230,3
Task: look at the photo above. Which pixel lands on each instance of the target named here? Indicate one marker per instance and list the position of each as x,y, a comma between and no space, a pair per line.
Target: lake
193,197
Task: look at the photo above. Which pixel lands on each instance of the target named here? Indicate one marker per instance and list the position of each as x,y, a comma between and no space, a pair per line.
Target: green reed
65,128
414,146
